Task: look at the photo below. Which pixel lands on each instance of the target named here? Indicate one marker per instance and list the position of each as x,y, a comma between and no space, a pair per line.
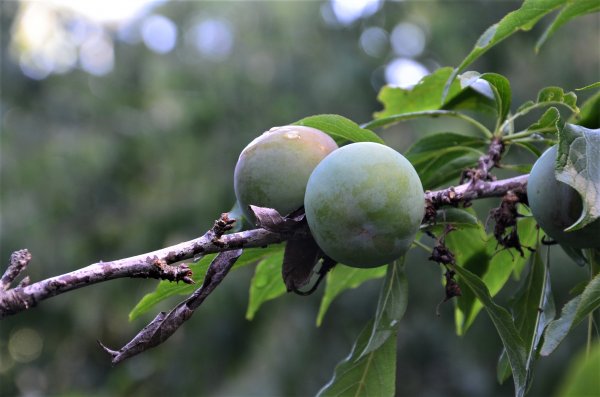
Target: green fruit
364,204
556,205
273,169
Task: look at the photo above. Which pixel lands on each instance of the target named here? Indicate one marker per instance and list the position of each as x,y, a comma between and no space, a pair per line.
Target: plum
364,204
556,205
272,171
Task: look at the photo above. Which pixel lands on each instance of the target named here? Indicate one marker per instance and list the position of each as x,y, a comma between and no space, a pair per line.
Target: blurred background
121,122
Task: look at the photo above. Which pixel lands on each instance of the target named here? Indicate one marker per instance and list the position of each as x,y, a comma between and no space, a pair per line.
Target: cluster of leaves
528,328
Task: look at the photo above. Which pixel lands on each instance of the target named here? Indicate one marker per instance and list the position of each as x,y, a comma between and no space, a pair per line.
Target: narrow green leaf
341,278
571,10
530,12
340,127
572,314
166,289
533,308
470,250
391,306
373,374
500,266
507,331
266,284
578,165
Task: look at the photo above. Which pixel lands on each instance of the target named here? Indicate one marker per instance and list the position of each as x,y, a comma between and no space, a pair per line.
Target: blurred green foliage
103,167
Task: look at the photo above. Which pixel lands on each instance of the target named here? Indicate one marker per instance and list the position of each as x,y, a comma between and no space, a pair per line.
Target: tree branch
157,264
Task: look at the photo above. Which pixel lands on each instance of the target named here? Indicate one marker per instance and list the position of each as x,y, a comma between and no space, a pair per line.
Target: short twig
18,263
165,324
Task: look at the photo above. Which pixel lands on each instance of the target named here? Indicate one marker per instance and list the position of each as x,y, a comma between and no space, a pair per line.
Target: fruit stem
423,246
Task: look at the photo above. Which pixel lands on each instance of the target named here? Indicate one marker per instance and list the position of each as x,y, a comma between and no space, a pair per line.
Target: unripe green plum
272,171
364,204
556,205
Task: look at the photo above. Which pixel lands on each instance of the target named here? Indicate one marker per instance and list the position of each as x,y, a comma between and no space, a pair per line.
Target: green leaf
165,289
502,93
550,95
428,146
578,165
507,331
469,248
475,94
391,306
571,10
426,95
340,128
589,115
266,284
530,12
572,314
458,217
547,122
581,377
341,278
374,374
441,157
500,265
447,169
533,308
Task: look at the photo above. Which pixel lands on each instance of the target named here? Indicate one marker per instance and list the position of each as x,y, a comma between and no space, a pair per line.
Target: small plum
364,204
556,205
272,171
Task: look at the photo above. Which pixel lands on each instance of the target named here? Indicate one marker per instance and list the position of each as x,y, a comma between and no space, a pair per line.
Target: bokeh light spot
213,38
348,11
373,41
408,40
404,72
97,55
159,34
25,345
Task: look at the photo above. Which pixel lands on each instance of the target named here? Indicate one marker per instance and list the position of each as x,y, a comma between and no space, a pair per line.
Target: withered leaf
299,259
165,324
270,219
